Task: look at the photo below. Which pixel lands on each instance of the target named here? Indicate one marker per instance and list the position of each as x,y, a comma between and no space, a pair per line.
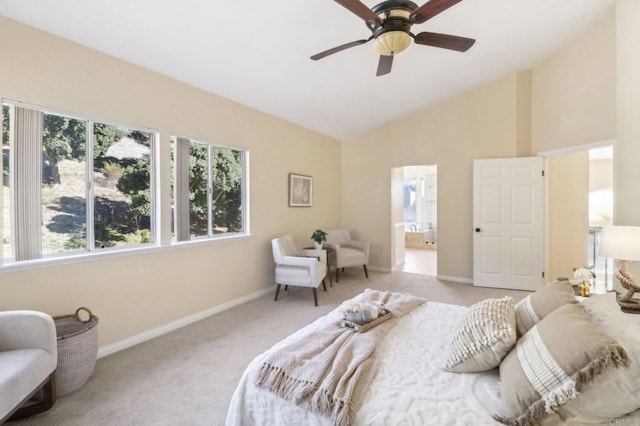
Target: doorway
419,220
579,203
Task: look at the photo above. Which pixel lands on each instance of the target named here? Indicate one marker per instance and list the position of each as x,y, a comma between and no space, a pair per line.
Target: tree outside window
208,185
94,185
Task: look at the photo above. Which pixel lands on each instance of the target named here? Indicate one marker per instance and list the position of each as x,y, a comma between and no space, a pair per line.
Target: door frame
569,150
397,241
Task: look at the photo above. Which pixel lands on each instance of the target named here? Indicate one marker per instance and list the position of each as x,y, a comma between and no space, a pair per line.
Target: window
420,197
72,185
209,190
409,201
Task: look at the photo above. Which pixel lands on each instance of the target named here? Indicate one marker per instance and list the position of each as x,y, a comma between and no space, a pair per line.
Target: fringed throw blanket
328,366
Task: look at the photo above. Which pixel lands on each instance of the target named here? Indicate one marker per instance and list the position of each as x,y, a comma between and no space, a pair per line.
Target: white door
508,223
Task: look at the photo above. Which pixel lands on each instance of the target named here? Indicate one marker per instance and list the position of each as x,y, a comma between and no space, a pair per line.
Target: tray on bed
361,328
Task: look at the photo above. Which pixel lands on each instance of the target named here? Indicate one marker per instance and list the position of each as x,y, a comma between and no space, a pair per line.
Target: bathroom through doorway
420,222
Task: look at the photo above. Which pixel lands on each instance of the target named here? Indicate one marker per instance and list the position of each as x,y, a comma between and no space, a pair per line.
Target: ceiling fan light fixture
392,42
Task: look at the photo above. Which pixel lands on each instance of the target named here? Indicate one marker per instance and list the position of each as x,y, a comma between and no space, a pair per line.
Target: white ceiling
256,52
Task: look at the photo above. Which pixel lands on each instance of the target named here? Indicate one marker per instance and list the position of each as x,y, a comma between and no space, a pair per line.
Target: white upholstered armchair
303,268
28,359
346,252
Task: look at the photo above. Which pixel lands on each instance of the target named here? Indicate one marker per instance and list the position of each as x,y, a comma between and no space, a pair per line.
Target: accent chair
302,268
28,359
346,252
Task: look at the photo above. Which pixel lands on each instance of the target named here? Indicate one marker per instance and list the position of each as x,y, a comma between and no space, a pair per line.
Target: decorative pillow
534,307
486,333
552,363
616,392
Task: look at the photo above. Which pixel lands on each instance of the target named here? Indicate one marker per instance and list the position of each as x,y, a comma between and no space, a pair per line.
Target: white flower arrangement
354,308
582,275
582,278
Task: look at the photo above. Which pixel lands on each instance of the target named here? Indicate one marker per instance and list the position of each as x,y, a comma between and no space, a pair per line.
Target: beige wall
132,294
590,92
600,174
397,216
566,100
523,113
480,123
568,212
573,92
627,150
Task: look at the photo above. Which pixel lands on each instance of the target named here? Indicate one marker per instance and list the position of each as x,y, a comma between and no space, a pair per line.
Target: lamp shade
620,242
392,42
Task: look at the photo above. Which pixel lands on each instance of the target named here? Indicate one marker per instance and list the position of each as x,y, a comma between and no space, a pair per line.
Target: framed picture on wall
300,190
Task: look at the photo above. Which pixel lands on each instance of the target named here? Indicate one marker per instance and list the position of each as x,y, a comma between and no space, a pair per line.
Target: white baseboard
164,329
455,279
378,268
438,277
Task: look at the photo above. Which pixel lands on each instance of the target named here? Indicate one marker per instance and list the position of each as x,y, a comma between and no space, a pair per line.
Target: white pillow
486,333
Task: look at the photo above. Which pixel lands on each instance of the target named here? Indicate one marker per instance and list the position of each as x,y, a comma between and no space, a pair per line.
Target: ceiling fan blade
384,65
460,44
431,9
360,9
338,49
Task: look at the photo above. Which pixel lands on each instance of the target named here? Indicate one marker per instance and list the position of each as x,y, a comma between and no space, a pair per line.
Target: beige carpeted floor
187,377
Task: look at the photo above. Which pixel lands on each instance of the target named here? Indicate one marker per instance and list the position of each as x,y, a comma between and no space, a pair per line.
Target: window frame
90,250
244,192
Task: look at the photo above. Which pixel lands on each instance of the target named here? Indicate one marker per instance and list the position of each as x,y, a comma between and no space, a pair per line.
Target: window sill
93,256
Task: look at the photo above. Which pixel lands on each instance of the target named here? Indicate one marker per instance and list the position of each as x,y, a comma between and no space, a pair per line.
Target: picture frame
300,190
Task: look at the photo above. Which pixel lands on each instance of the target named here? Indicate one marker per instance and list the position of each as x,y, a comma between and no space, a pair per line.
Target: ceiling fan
390,25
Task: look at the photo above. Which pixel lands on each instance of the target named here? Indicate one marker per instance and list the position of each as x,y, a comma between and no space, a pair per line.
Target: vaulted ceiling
256,52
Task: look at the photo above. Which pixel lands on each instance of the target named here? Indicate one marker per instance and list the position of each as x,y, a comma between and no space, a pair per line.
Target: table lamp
623,243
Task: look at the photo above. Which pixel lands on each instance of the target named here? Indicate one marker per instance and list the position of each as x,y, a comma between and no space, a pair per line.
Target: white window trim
244,191
110,253
91,251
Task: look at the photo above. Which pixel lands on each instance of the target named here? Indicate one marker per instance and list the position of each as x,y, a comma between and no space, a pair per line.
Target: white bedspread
410,388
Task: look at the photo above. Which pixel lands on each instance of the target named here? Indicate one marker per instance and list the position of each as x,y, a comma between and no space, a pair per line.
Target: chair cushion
351,257
300,275
338,236
288,247
21,372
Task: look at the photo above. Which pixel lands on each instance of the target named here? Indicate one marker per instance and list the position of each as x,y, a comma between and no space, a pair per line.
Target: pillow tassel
612,355
560,396
531,417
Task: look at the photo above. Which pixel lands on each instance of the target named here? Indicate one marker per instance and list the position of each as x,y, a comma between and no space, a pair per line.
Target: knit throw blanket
330,367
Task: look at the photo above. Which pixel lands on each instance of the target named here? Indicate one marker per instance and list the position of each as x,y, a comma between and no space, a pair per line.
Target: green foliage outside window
226,181
122,201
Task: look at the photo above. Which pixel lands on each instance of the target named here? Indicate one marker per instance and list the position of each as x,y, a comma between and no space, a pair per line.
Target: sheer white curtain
182,222
27,172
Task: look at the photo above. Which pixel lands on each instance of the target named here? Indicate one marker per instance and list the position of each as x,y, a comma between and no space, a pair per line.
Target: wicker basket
77,350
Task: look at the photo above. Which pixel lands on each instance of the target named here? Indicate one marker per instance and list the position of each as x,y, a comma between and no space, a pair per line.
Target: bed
410,386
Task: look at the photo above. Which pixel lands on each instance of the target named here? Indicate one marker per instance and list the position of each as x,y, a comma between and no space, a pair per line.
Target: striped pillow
486,333
615,393
531,309
553,362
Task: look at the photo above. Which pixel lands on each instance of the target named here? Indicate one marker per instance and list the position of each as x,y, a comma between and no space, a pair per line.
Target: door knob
478,229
